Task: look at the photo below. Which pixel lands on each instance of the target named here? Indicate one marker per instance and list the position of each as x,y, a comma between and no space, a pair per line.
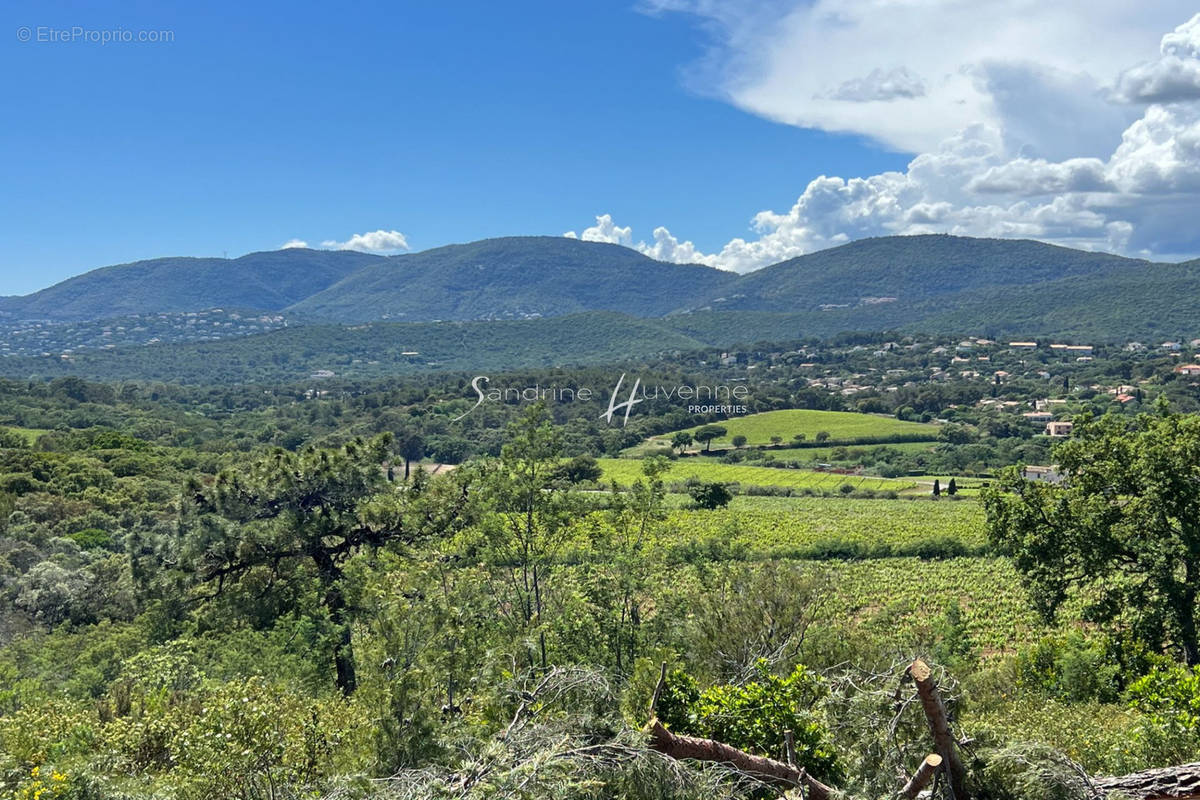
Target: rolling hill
268,281
519,277
842,426
906,270
374,350
929,284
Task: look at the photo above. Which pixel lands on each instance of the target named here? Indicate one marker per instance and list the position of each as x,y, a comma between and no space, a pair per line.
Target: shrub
710,495
753,716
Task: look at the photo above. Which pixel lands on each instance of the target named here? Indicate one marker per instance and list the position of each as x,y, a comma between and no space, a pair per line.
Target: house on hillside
1058,429
1023,345
1038,416
1191,370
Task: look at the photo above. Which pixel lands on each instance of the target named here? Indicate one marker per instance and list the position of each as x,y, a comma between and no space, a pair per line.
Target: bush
753,716
1071,668
710,495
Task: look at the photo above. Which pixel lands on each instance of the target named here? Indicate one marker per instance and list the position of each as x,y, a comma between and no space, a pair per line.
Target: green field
897,595
786,526
30,434
842,426
889,595
625,471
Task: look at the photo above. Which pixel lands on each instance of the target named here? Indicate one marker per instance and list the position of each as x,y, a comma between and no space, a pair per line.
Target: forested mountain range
529,277
530,301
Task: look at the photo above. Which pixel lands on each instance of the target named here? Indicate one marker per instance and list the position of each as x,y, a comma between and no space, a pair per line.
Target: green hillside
842,426
515,277
377,349
267,281
911,269
924,284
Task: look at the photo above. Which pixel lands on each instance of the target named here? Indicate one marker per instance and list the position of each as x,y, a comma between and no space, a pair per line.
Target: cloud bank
1062,122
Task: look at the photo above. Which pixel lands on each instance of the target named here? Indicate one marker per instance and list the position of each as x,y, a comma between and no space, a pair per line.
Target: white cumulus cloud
379,241
1027,121
1174,77
290,243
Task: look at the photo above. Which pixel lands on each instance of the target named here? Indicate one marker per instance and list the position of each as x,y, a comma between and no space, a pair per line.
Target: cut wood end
920,670
933,760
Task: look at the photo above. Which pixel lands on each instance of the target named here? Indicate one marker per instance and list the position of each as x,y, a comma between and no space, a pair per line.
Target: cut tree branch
763,769
939,726
923,776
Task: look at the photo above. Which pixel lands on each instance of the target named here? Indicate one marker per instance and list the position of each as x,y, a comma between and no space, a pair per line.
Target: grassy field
849,453
30,434
840,425
625,471
900,595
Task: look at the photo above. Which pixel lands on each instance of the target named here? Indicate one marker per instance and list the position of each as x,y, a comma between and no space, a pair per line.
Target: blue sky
733,133
449,122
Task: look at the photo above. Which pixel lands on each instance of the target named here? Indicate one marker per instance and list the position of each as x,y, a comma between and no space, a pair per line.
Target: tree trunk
1168,783
335,604
1186,610
939,726
764,769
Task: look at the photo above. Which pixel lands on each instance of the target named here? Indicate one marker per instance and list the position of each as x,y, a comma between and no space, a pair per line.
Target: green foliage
753,716
1170,695
581,469
707,433
1072,668
1124,530
710,495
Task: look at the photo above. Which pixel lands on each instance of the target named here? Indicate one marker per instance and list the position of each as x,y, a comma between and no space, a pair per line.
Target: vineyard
842,426
894,565
893,596
783,526
626,471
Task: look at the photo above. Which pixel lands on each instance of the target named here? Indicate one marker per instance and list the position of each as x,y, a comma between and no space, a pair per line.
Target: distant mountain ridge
516,277
268,281
931,282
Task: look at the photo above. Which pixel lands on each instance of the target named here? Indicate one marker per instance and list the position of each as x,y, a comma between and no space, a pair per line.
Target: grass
842,426
626,471
848,453
910,594
30,434
967,487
